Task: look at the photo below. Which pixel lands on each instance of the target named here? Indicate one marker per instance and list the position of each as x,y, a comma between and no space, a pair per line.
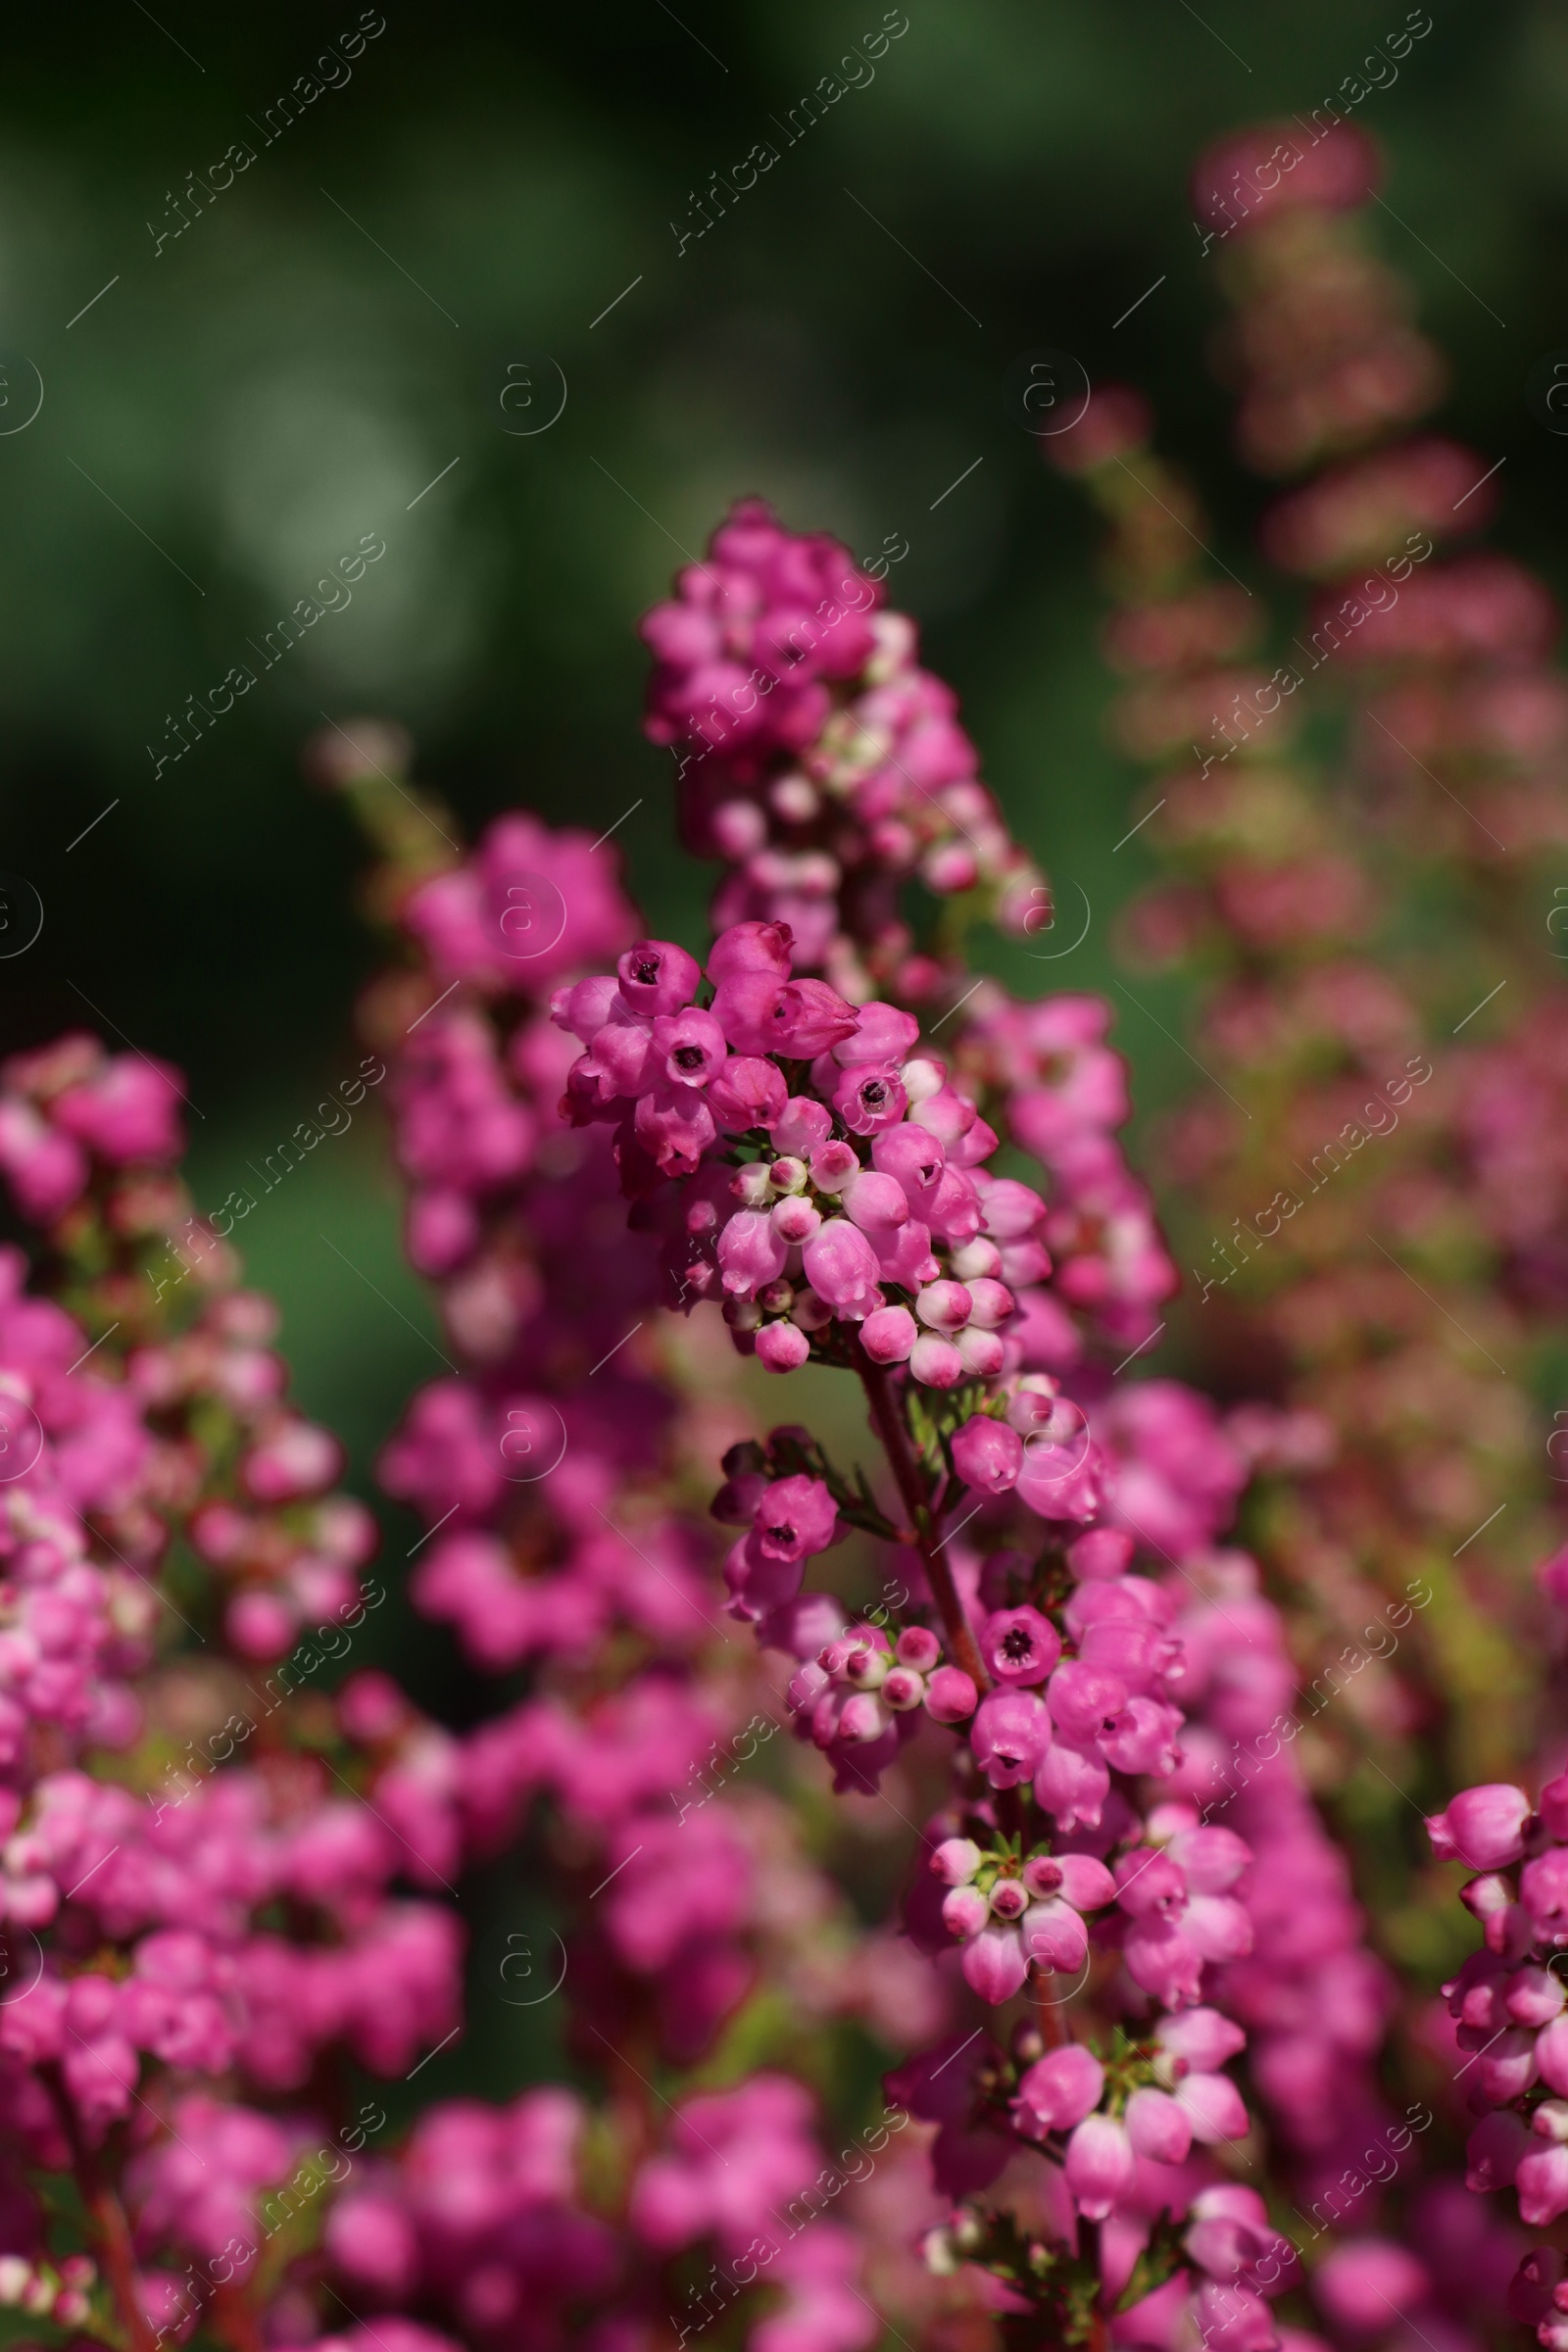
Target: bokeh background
371,332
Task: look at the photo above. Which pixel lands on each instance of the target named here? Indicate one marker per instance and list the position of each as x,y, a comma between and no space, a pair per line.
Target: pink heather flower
782,1348
841,1267
750,948
803,1126
751,1253
794,1518
1019,1645
1011,1733
834,1165
1100,2166
885,1035
1541,2180
1214,2108
794,1020
1543,1892
794,1220
964,1911
918,1647
657,977
674,1127
1158,2127
876,1203
943,1306
127,1111
936,1362
914,1157
870,1098
1054,1936
956,1860
951,1696
690,1045
993,1963
888,1334
1483,1827
986,1453
1366,2284
1059,2090
746,1093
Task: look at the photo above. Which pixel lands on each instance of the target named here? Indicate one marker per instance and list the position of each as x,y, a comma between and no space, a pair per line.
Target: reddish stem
107,2218
1049,2017
888,1422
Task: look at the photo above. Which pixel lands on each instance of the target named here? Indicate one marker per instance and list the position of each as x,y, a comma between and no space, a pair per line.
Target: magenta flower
1019,1645
1011,1734
1483,1827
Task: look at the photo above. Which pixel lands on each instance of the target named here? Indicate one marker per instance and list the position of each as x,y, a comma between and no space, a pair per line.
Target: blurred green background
486,200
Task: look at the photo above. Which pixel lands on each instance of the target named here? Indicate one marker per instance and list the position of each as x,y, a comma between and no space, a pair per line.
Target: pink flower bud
1360,2287
751,1253
866,1666
904,1690
1100,2166
936,1362
750,948
1158,2127
748,1091
944,1305
750,1186
690,1046
1059,2090
981,1354
1011,1733
1087,1883
986,1453
841,1267
918,1647
1541,2180
990,1304
956,1860
803,1126
811,1312
951,1696
794,1518
1054,1936
870,1099
833,1165
782,1348
888,1336
964,1911
1008,1899
876,1203
994,1964
657,976
914,1157
1482,1828
787,1174
863,1718
1019,1645
1100,1555
976,1261
794,1220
